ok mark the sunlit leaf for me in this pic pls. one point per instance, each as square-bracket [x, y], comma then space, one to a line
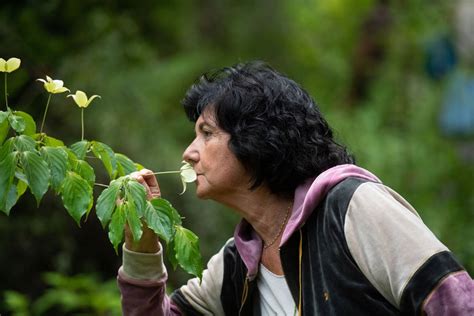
[80, 148]
[77, 196]
[37, 173]
[52, 142]
[160, 220]
[107, 201]
[106, 155]
[57, 160]
[186, 246]
[30, 125]
[17, 123]
[117, 226]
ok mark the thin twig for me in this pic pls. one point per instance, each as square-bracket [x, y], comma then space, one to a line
[101, 185]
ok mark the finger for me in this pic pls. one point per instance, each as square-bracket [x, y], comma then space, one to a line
[151, 181]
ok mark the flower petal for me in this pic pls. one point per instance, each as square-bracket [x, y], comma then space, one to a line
[49, 78]
[3, 65]
[184, 186]
[188, 175]
[61, 90]
[42, 80]
[12, 64]
[90, 99]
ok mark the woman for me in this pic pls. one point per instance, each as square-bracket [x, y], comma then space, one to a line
[318, 236]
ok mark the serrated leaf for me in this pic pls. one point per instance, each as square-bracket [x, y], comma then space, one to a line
[124, 165]
[80, 148]
[135, 192]
[117, 226]
[107, 202]
[7, 167]
[77, 196]
[167, 208]
[133, 220]
[25, 143]
[17, 123]
[30, 125]
[57, 160]
[106, 155]
[37, 173]
[85, 170]
[159, 220]
[186, 246]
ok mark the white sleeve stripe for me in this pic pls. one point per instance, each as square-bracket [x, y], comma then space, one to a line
[205, 297]
[387, 239]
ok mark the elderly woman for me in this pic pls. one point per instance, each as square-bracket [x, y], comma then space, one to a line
[318, 236]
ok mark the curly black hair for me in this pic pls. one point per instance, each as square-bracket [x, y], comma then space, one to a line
[276, 130]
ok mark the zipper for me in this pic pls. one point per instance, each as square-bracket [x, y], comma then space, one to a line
[244, 294]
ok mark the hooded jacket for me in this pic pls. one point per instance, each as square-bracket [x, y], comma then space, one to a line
[351, 246]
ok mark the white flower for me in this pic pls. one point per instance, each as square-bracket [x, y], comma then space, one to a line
[53, 86]
[188, 174]
[81, 99]
[9, 65]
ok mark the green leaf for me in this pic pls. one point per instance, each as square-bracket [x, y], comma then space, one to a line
[107, 202]
[7, 167]
[124, 165]
[106, 155]
[17, 123]
[30, 125]
[52, 142]
[4, 128]
[7, 148]
[37, 173]
[3, 116]
[80, 148]
[16, 191]
[77, 196]
[166, 207]
[85, 170]
[57, 160]
[171, 254]
[117, 226]
[135, 192]
[25, 143]
[133, 221]
[186, 246]
[159, 220]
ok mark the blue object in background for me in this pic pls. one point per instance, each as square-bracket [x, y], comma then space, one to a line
[440, 57]
[457, 112]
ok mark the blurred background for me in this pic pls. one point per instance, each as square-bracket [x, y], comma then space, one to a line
[394, 78]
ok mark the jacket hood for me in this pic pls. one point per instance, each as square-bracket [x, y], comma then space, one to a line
[307, 197]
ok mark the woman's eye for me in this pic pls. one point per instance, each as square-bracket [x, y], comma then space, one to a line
[206, 133]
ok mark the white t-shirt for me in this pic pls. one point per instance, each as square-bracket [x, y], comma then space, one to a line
[275, 295]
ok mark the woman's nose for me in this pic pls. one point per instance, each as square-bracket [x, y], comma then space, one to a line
[191, 154]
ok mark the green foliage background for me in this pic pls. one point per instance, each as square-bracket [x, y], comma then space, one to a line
[141, 57]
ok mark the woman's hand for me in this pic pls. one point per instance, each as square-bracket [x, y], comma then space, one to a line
[149, 241]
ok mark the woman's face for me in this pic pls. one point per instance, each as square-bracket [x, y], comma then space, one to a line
[219, 174]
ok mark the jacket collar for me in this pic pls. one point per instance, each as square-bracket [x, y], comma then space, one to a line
[307, 197]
